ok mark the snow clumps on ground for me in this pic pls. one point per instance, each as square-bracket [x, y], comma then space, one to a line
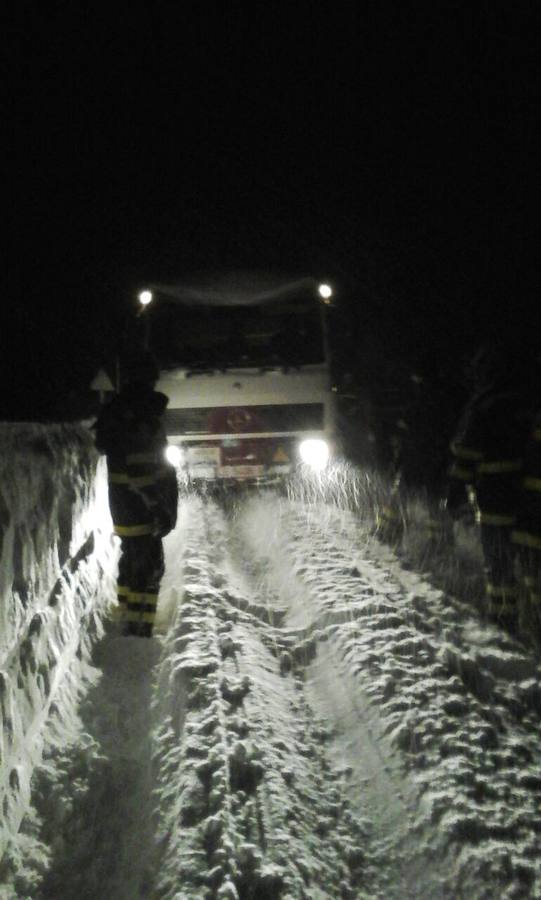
[311, 720]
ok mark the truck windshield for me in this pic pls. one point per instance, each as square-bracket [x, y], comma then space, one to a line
[277, 334]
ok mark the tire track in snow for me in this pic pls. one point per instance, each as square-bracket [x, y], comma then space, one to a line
[359, 748]
[455, 705]
[249, 804]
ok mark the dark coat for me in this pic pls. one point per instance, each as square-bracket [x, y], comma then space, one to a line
[142, 484]
[528, 524]
[487, 453]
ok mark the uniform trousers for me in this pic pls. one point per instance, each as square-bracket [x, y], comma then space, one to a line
[140, 569]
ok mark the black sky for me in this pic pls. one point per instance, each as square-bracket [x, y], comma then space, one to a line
[387, 146]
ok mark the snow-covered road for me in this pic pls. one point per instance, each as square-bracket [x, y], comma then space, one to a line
[311, 721]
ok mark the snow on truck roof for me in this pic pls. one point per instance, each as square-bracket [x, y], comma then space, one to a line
[237, 289]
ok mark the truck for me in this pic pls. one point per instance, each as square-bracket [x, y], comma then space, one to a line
[244, 361]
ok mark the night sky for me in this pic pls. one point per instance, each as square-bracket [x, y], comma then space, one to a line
[387, 147]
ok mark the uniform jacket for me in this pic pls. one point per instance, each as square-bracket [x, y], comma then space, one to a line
[142, 484]
[487, 452]
[528, 524]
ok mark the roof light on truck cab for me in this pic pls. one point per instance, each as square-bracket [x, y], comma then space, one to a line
[314, 452]
[325, 292]
[145, 297]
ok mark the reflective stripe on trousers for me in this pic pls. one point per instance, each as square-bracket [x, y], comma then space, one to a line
[133, 530]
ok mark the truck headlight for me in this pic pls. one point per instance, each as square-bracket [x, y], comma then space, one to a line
[314, 452]
[173, 454]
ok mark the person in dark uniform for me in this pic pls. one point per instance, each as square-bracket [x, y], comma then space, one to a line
[487, 459]
[417, 461]
[143, 492]
[526, 535]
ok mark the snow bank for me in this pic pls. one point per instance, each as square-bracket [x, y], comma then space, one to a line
[57, 561]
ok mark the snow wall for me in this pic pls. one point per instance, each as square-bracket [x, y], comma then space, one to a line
[58, 558]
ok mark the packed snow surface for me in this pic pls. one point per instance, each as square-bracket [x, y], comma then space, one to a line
[311, 720]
